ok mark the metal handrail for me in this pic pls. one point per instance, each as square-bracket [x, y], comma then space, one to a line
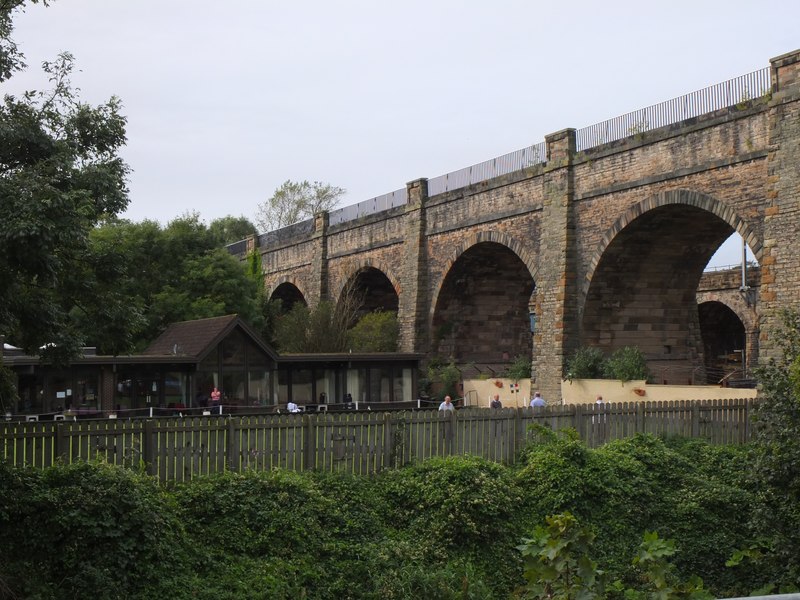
[738, 90]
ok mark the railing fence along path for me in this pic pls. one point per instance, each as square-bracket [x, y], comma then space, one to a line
[737, 91]
[178, 449]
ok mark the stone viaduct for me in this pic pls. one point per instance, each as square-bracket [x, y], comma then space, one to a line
[597, 237]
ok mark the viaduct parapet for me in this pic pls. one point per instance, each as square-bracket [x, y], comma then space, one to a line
[597, 237]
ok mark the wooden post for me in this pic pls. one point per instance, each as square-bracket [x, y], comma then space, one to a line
[580, 423]
[309, 445]
[389, 449]
[231, 446]
[518, 431]
[149, 447]
[61, 449]
[639, 425]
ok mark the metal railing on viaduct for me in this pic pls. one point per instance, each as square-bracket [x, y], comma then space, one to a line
[178, 449]
[716, 97]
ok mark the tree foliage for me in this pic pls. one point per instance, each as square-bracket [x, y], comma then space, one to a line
[229, 229]
[625, 364]
[60, 175]
[294, 201]
[377, 331]
[174, 273]
[776, 468]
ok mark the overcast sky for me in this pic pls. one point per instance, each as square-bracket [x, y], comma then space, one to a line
[227, 100]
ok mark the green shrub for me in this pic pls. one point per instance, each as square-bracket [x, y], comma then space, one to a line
[519, 369]
[88, 530]
[626, 364]
[586, 363]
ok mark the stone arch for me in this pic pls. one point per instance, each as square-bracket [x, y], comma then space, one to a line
[641, 282]
[746, 313]
[358, 266]
[287, 290]
[474, 239]
[377, 284]
[480, 309]
[673, 197]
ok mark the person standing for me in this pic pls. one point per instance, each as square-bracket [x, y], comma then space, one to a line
[447, 404]
[496, 402]
[537, 400]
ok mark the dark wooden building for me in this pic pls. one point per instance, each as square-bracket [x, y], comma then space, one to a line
[180, 368]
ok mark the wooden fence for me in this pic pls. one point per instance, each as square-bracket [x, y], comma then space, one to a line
[177, 449]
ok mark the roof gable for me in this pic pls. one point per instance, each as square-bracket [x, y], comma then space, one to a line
[196, 338]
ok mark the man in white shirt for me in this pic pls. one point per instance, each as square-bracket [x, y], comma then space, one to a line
[537, 400]
[292, 407]
[447, 404]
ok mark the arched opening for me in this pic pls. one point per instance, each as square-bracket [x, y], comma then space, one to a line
[724, 342]
[481, 313]
[643, 289]
[289, 295]
[368, 290]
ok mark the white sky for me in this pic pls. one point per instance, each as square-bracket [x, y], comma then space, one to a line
[227, 100]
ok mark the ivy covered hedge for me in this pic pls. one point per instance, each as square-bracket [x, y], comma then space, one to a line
[445, 528]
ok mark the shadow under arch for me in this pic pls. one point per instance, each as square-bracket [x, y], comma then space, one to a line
[641, 283]
[374, 286]
[288, 293]
[480, 307]
[673, 197]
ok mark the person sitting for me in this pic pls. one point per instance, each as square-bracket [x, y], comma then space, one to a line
[292, 407]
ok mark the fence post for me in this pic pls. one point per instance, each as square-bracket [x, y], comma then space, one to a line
[309, 445]
[639, 427]
[696, 419]
[61, 444]
[518, 432]
[149, 447]
[230, 446]
[580, 423]
[388, 442]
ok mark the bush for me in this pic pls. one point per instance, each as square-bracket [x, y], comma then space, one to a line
[626, 364]
[88, 530]
[520, 368]
[586, 363]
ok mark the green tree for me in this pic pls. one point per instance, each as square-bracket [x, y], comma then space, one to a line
[294, 201]
[230, 229]
[174, 273]
[60, 175]
[776, 460]
[375, 332]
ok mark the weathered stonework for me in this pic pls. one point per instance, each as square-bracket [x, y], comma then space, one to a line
[606, 247]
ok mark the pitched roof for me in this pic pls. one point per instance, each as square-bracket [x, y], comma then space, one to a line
[196, 338]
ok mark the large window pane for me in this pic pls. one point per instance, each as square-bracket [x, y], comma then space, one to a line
[258, 387]
[176, 388]
[402, 385]
[301, 387]
[233, 388]
[326, 386]
[85, 392]
[282, 389]
[357, 384]
[380, 385]
[233, 350]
